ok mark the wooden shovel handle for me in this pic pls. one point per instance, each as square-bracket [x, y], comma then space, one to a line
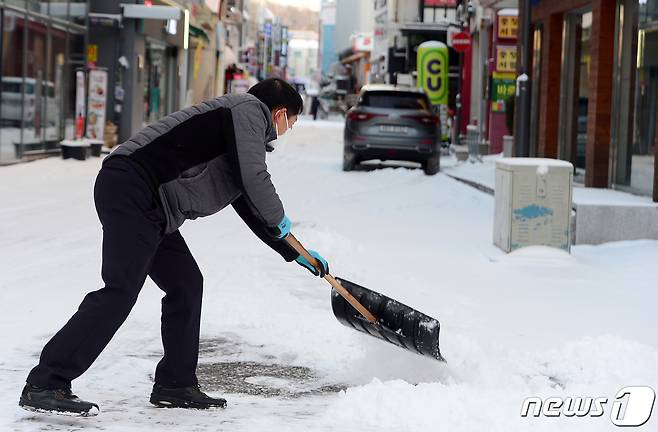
[292, 241]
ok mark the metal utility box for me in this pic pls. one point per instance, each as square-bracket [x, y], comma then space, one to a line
[533, 203]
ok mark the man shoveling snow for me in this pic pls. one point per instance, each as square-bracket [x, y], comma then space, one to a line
[190, 164]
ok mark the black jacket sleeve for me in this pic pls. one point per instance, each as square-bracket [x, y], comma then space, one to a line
[242, 208]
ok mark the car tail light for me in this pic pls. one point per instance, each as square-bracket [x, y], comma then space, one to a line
[426, 120]
[359, 116]
[427, 141]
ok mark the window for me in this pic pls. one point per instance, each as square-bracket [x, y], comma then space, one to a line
[394, 99]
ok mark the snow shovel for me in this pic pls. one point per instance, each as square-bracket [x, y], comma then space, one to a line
[379, 316]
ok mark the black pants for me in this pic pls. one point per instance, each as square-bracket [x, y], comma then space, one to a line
[134, 246]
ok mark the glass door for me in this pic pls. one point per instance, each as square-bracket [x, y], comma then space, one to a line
[574, 90]
[644, 143]
[12, 109]
[635, 97]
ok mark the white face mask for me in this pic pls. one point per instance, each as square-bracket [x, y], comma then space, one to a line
[285, 113]
[280, 140]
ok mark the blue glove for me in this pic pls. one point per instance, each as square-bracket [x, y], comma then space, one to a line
[304, 263]
[282, 229]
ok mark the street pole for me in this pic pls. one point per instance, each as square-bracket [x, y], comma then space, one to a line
[458, 97]
[458, 101]
[523, 96]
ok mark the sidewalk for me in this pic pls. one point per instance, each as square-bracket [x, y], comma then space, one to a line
[595, 210]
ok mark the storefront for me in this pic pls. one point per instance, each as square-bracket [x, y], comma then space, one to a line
[635, 96]
[160, 93]
[42, 44]
[595, 90]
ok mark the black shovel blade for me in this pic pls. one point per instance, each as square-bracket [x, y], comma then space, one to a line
[398, 323]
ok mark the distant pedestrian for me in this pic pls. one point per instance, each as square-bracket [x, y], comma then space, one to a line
[190, 164]
[315, 105]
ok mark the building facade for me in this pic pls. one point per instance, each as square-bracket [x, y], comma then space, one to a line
[328, 54]
[302, 55]
[594, 91]
[42, 45]
[155, 65]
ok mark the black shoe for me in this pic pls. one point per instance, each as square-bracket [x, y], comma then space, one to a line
[184, 397]
[59, 401]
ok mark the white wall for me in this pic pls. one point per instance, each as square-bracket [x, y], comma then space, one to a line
[352, 16]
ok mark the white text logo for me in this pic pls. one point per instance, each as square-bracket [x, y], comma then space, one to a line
[632, 406]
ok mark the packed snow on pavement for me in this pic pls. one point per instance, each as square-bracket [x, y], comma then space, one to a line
[537, 322]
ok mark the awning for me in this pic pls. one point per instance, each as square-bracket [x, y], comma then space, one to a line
[199, 33]
[354, 57]
[157, 12]
[427, 28]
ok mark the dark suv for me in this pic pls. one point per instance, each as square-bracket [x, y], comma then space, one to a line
[392, 123]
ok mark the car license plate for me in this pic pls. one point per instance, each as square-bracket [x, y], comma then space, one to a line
[393, 129]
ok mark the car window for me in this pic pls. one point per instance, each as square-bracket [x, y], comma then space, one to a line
[395, 99]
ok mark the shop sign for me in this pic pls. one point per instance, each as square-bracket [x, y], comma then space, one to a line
[507, 26]
[432, 61]
[362, 42]
[97, 101]
[503, 85]
[197, 59]
[92, 53]
[9, 23]
[506, 58]
[441, 3]
[79, 104]
[284, 41]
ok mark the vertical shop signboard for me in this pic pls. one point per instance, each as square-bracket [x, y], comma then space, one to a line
[503, 85]
[92, 54]
[507, 26]
[267, 54]
[97, 101]
[432, 68]
[79, 104]
[284, 46]
[502, 77]
[506, 58]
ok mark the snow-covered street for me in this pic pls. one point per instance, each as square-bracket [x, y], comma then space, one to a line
[537, 322]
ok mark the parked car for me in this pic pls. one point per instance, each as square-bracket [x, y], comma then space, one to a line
[12, 93]
[392, 123]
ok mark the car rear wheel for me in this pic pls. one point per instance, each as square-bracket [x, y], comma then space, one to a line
[349, 161]
[431, 165]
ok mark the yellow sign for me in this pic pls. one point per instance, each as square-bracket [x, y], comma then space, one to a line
[92, 53]
[506, 58]
[507, 27]
[432, 68]
[197, 58]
